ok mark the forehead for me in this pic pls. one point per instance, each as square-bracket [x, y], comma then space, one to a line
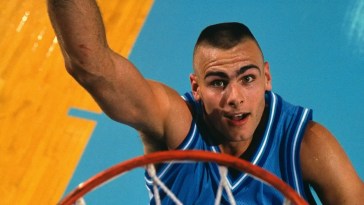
[246, 52]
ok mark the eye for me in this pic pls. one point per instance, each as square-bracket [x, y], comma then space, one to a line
[248, 78]
[218, 83]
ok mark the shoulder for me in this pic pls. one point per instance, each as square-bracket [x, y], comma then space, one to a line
[327, 168]
[176, 120]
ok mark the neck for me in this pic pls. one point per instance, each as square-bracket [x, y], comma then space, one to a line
[236, 149]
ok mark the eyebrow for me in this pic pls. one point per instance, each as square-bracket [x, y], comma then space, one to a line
[239, 72]
[247, 67]
[216, 73]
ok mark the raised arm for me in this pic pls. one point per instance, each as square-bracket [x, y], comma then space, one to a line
[113, 81]
[327, 168]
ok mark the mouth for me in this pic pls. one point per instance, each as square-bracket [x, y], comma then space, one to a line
[237, 117]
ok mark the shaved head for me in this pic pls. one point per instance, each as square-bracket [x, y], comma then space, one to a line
[223, 36]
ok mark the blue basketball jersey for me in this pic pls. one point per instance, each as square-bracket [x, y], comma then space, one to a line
[277, 152]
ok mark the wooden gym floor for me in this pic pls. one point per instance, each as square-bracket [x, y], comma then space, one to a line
[40, 145]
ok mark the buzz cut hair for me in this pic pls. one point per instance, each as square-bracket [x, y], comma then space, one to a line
[225, 35]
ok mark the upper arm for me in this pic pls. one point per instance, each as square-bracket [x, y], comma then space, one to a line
[113, 81]
[150, 107]
[328, 169]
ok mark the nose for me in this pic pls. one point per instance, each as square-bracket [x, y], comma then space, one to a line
[235, 96]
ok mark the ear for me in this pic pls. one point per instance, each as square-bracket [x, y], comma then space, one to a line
[268, 77]
[195, 87]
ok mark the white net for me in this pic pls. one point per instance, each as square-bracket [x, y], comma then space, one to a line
[223, 185]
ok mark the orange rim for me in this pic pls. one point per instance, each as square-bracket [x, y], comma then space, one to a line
[192, 155]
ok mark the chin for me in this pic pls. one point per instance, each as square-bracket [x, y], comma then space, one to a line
[239, 138]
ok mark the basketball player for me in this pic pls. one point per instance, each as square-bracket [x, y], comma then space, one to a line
[231, 109]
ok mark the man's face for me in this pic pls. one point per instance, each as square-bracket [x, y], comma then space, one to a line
[231, 85]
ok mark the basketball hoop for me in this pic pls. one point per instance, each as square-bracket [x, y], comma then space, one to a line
[223, 160]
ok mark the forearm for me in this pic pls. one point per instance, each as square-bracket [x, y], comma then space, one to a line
[80, 32]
